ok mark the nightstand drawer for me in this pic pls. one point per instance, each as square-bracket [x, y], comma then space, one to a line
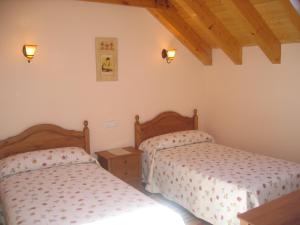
[131, 162]
[126, 175]
[126, 167]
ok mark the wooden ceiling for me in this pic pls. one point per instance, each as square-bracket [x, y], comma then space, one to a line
[226, 24]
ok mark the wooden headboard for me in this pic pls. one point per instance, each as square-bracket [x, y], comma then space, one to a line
[163, 123]
[45, 136]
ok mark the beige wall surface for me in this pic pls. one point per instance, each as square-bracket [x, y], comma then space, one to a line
[255, 106]
[60, 87]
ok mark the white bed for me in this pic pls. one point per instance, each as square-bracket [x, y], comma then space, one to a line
[212, 181]
[65, 185]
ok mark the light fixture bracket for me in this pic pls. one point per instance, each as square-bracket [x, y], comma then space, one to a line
[164, 53]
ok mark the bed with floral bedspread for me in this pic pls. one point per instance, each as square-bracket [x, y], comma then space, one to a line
[213, 181]
[66, 186]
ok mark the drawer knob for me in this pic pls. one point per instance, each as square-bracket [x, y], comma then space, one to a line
[125, 173]
[125, 161]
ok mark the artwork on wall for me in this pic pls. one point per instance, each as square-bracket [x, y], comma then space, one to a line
[107, 59]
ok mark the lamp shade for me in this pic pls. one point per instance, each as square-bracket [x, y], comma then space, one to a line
[29, 51]
[169, 55]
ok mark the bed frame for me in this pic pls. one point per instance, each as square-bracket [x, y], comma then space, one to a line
[45, 136]
[163, 123]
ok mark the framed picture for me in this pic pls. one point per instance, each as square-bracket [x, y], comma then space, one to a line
[106, 59]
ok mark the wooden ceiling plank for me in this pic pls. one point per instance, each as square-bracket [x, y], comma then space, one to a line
[264, 36]
[293, 14]
[185, 34]
[139, 3]
[222, 37]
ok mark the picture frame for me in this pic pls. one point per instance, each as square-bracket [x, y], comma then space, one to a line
[106, 59]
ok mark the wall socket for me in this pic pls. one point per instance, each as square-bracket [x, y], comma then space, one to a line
[110, 124]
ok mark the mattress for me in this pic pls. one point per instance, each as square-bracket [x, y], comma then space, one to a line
[216, 182]
[79, 194]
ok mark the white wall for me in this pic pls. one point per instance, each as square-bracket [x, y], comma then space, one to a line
[255, 106]
[60, 87]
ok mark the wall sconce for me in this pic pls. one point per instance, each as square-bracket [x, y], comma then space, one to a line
[169, 55]
[29, 51]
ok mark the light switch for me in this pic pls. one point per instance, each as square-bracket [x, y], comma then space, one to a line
[110, 124]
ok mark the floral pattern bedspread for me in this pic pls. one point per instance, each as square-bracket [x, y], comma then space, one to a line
[80, 194]
[216, 182]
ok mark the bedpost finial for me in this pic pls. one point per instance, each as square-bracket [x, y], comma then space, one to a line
[137, 118]
[85, 123]
[195, 112]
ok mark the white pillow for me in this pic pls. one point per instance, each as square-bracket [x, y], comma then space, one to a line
[42, 159]
[176, 139]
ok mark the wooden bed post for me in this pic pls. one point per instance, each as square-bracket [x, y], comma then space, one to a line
[195, 119]
[86, 134]
[137, 131]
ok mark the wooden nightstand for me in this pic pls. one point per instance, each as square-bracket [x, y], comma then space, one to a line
[126, 167]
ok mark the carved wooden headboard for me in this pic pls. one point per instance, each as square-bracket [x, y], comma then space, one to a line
[45, 136]
[163, 123]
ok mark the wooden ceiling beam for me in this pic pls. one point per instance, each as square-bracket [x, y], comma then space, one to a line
[139, 3]
[214, 27]
[186, 35]
[293, 14]
[264, 36]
